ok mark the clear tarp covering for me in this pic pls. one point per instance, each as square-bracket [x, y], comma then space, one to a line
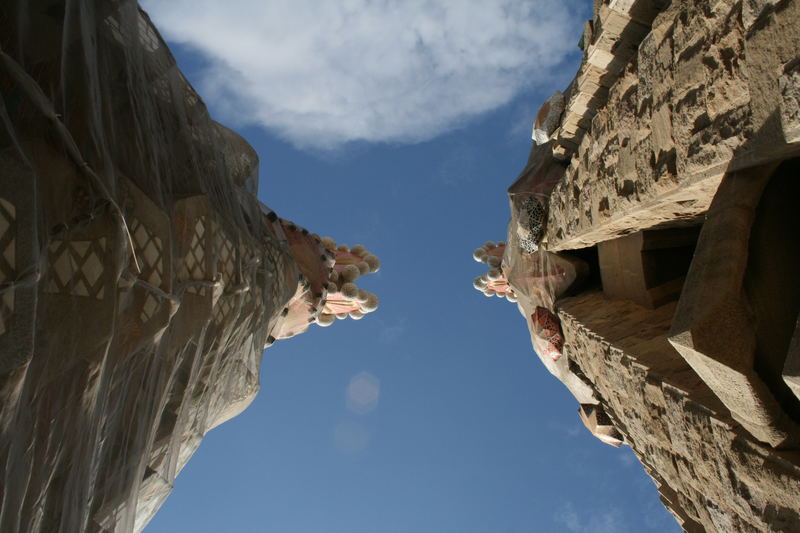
[536, 277]
[139, 276]
[530, 195]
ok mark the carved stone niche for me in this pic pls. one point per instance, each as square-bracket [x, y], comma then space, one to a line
[647, 267]
[738, 309]
[145, 299]
[195, 265]
[597, 421]
[19, 257]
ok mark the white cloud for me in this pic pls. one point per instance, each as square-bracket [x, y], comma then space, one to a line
[321, 74]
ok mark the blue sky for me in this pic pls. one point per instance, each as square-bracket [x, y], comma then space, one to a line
[469, 434]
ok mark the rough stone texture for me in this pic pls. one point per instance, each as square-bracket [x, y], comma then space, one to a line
[711, 475]
[713, 328]
[687, 113]
[712, 88]
[647, 267]
[597, 421]
[609, 41]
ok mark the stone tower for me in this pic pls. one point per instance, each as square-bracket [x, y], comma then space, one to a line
[140, 278]
[653, 250]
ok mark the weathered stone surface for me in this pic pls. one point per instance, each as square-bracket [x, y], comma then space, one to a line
[609, 41]
[714, 328]
[711, 474]
[695, 122]
[597, 421]
[705, 94]
[646, 267]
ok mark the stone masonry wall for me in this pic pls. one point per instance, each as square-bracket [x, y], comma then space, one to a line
[712, 88]
[711, 475]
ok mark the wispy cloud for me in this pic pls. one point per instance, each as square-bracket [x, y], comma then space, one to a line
[570, 429]
[567, 516]
[627, 458]
[391, 333]
[609, 520]
[322, 74]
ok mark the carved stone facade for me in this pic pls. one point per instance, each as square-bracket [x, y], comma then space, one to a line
[140, 278]
[676, 160]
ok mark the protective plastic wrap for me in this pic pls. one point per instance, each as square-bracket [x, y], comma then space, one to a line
[530, 196]
[537, 280]
[537, 277]
[522, 271]
[139, 277]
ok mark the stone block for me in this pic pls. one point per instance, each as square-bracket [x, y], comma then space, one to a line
[789, 83]
[642, 11]
[586, 101]
[619, 34]
[646, 267]
[592, 75]
[713, 326]
[753, 10]
[596, 420]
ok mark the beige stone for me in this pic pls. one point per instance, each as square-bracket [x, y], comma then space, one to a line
[600, 425]
[707, 94]
[633, 267]
[678, 118]
[712, 476]
[713, 328]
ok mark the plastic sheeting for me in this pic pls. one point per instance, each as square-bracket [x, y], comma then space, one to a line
[139, 280]
[536, 277]
[530, 196]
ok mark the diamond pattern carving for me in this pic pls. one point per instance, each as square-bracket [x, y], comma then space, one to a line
[148, 309]
[193, 266]
[149, 252]
[227, 265]
[223, 310]
[8, 267]
[76, 267]
[276, 263]
[147, 37]
[194, 262]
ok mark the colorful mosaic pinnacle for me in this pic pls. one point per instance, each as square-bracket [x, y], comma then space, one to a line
[325, 288]
[493, 282]
[344, 297]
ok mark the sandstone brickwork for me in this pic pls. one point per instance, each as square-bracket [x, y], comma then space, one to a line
[673, 176]
[711, 474]
[711, 88]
